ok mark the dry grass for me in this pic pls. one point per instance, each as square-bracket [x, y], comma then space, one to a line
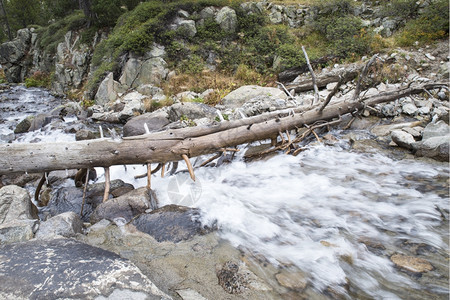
[222, 83]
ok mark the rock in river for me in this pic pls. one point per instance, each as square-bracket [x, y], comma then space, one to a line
[172, 223]
[68, 269]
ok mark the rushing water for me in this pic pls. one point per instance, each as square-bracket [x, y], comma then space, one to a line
[334, 213]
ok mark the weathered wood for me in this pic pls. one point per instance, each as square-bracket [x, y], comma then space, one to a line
[313, 77]
[163, 147]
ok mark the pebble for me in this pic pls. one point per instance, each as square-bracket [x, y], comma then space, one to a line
[430, 57]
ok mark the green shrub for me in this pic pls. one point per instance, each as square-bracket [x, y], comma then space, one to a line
[193, 65]
[432, 24]
[53, 34]
[402, 9]
[38, 79]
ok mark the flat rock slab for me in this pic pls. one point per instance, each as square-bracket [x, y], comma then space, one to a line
[65, 268]
[171, 223]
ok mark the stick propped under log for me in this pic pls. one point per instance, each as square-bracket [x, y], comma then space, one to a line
[171, 145]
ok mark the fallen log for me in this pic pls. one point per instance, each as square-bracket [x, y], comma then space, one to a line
[177, 144]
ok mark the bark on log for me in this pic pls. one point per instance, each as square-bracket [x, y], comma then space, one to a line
[163, 147]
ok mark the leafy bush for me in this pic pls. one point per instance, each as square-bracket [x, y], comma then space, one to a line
[38, 79]
[431, 25]
[53, 34]
[402, 9]
[106, 12]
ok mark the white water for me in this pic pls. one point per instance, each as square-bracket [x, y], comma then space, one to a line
[313, 210]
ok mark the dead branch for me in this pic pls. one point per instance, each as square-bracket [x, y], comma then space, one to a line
[313, 77]
[333, 92]
[363, 75]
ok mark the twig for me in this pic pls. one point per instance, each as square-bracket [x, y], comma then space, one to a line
[163, 169]
[349, 123]
[149, 176]
[317, 137]
[174, 168]
[217, 155]
[285, 89]
[107, 184]
[84, 192]
[158, 167]
[313, 77]
[333, 92]
[189, 166]
[363, 74]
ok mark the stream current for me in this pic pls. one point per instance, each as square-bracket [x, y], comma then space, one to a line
[334, 213]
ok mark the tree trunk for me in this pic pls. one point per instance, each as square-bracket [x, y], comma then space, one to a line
[171, 145]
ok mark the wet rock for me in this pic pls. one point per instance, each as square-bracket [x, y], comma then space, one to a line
[243, 94]
[68, 199]
[231, 280]
[72, 270]
[17, 231]
[411, 264]
[84, 134]
[15, 204]
[155, 121]
[292, 280]
[126, 206]
[227, 19]
[20, 179]
[67, 224]
[191, 110]
[23, 126]
[172, 223]
[403, 139]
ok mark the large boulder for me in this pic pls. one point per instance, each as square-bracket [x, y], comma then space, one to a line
[241, 95]
[137, 72]
[437, 129]
[227, 19]
[191, 110]
[155, 121]
[435, 141]
[172, 223]
[17, 231]
[126, 206]
[68, 269]
[403, 139]
[15, 204]
[67, 224]
[107, 91]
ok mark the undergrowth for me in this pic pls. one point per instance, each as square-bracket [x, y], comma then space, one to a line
[38, 79]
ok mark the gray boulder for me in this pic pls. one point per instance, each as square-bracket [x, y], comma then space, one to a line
[241, 95]
[23, 125]
[172, 223]
[13, 51]
[155, 121]
[403, 139]
[150, 71]
[67, 224]
[227, 19]
[208, 12]
[437, 129]
[126, 206]
[17, 231]
[435, 147]
[187, 27]
[107, 91]
[15, 204]
[191, 110]
[68, 269]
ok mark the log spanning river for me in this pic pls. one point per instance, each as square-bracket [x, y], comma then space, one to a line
[347, 219]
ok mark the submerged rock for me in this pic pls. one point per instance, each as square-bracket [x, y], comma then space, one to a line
[64, 268]
[411, 263]
[171, 223]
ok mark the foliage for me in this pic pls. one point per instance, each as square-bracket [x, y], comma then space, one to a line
[402, 9]
[53, 34]
[193, 65]
[432, 24]
[38, 79]
[2, 76]
[107, 12]
[57, 9]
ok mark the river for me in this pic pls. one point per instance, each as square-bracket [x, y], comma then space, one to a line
[334, 213]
